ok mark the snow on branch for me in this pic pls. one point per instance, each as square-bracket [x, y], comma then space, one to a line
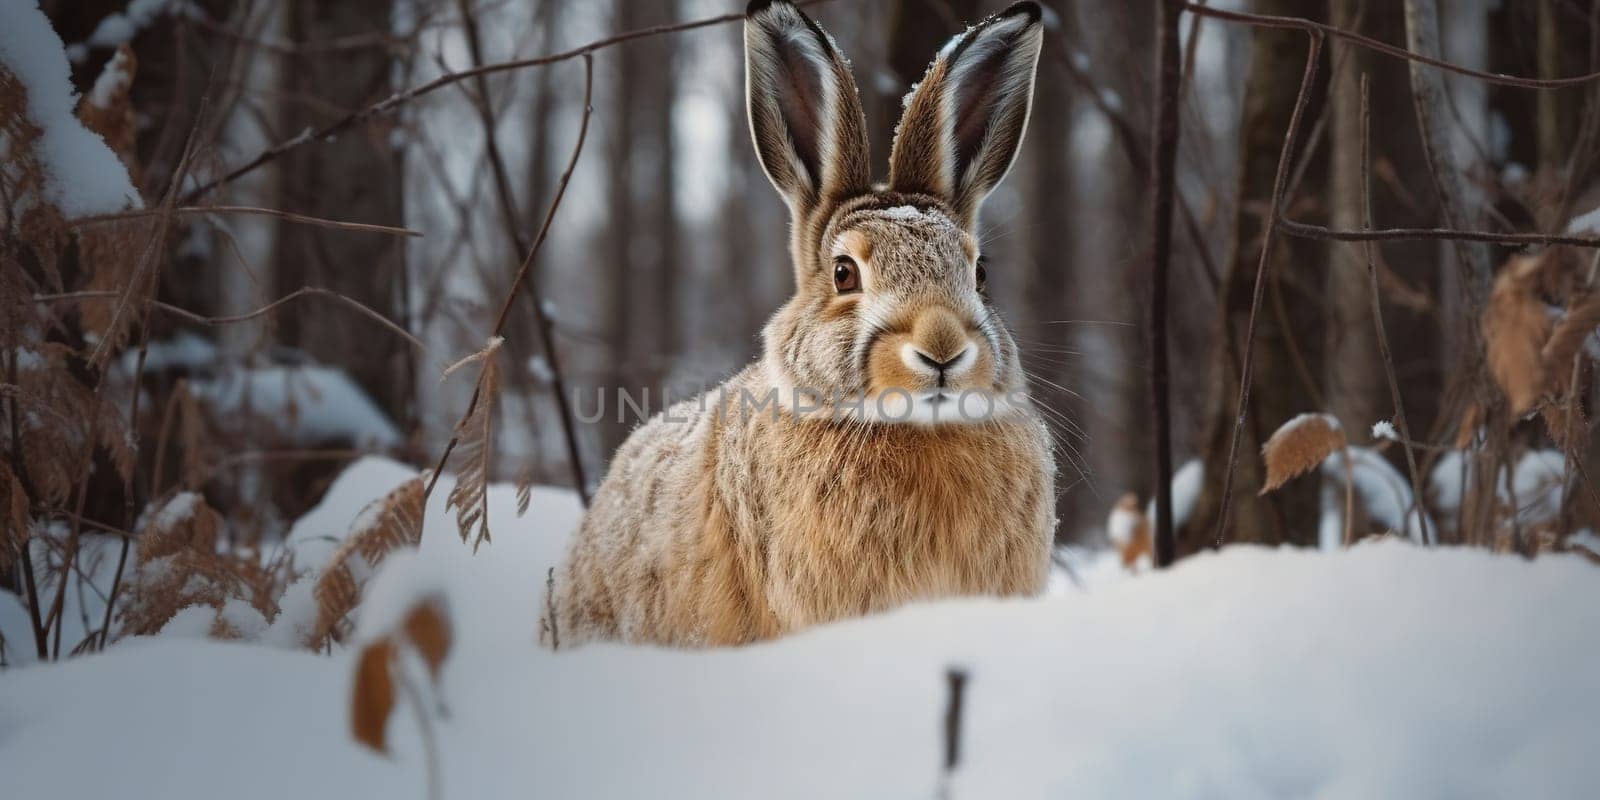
[81, 174]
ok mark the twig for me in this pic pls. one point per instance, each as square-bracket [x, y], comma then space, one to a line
[200, 319]
[512, 224]
[287, 216]
[956, 680]
[1306, 230]
[1298, 23]
[541, 318]
[550, 608]
[430, 747]
[1369, 249]
[400, 98]
[29, 580]
[258, 456]
[1163, 179]
[1268, 237]
[89, 523]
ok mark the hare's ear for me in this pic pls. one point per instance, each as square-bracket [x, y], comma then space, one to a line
[963, 123]
[805, 113]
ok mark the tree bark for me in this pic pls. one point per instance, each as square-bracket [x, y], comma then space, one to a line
[355, 177]
[1353, 374]
[1278, 389]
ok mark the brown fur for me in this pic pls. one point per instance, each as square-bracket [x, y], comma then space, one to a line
[722, 521]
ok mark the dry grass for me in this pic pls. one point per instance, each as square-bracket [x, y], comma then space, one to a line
[388, 524]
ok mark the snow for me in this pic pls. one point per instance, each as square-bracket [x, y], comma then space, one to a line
[1585, 223]
[185, 350]
[28, 360]
[1187, 482]
[193, 622]
[120, 28]
[113, 80]
[539, 368]
[1111, 99]
[1585, 539]
[1384, 429]
[1445, 481]
[177, 509]
[1536, 480]
[82, 607]
[310, 403]
[903, 213]
[297, 616]
[1536, 486]
[1383, 492]
[1281, 673]
[83, 176]
[1121, 526]
[243, 618]
[1249, 673]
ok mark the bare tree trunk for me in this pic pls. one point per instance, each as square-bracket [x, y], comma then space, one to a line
[642, 246]
[1278, 389]
[1046, 282]
[1353, 374]
[355, 177]
[1464, 283]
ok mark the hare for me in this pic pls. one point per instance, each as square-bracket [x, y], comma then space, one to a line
[882, 449]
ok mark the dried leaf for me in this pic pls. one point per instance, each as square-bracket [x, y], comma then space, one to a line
[372, 696]
[13, 517]
[1516, 326]
[428, 630]
[475, 434]
[1299, 446]
[1577, 325]
[524, 490]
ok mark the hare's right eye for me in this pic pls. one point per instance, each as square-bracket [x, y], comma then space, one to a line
[846, 278]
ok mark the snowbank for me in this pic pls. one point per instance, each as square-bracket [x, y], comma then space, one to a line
[310, 403]
[83, 176]
[1383, 671]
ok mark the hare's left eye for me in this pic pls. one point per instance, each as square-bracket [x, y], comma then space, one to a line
[846, 277]
[983, 272]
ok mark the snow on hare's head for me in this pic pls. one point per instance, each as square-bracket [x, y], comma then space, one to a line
[889, 305]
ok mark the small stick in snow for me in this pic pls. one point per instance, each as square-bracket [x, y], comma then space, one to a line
[957, 681]
[550, 608]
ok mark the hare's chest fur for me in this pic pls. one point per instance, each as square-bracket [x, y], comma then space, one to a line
[862, 518]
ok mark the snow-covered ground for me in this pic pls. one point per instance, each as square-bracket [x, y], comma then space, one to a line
[1383, 671]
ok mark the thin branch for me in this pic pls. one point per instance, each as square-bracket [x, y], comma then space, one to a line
[1308, 231]
[401, 98]
[512, 224]
[1369, 249]
[1297, 23]
[541, 318]
[29, 580]
[200, 319]
[287, 216]
[1268, 238]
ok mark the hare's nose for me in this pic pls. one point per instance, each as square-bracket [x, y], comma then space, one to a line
[920, 360]
[941, 366]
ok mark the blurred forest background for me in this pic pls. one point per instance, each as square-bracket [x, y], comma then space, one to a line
[668, 252]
